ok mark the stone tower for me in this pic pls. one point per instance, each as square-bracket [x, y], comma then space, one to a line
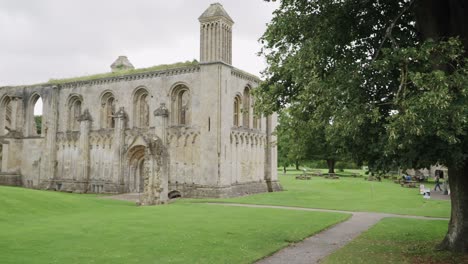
[216, 35]
[122, 63]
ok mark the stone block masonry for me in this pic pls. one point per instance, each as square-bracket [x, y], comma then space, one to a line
[186, 129]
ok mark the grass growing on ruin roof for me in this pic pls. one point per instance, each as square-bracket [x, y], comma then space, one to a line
[397, 240]
[53, 227]
[349, 194]
[125, 72]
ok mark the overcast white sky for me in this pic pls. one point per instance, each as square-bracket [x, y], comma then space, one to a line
[45, 39]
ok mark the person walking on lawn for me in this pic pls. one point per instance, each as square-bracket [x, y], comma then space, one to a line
[437, 183]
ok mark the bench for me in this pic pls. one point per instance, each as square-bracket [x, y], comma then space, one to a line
[409, 184]
[303, 177]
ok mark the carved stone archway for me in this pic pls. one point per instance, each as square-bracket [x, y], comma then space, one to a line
[134, 178]
[146, 170]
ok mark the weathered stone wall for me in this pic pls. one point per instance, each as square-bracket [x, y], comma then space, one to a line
[10, 179]
[184, 149]
[238, 189]
[206, 151]
[31, 160]
[12, 155]
[99, 135]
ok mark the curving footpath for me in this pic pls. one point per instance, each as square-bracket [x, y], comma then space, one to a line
[318, 246]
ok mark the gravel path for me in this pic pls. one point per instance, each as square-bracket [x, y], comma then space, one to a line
[318, 246]
[315, 248]
[439, 195]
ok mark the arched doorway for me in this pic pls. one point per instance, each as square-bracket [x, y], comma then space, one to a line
[5, 115]
[134, 182]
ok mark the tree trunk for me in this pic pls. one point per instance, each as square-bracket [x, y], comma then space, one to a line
[331, 165]
[456, 239]
[297, 164]
[284, 170]
[439, 20]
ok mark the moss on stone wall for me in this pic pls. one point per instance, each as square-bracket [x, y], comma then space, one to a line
[124, 72]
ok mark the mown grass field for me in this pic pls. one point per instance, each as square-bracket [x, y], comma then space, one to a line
[349, 194]
[397, 240]
[53, 227]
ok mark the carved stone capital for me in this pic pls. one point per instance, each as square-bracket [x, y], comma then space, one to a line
[120, 114]
[86, 116]
[162, 111]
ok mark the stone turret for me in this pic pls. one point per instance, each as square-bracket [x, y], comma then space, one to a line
[216, 35]
[122, 63]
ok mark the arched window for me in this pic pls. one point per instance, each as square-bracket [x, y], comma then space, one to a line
[246, 107]
[6, 115]
[141, 108]
[34, 115]
[237, 111]
[181, 105]
[174, 194]
[107, 110]
[74, 112]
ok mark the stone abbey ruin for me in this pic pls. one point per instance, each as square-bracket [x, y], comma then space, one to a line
[187, 129]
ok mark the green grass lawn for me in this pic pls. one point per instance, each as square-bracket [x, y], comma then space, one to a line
[53, 227]
[347, 193]
[397, 240]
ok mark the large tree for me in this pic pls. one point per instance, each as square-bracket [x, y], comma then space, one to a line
[390, 75]
[300, 138]
[291, 149]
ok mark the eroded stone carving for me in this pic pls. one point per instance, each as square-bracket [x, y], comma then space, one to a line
[154, 167]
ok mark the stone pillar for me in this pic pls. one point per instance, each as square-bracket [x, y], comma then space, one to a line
[268, 156]
[16, 113]
[84, 150]
[274, 148]
[155, 171]
[49, 155]
[161, 114]
[118, 148]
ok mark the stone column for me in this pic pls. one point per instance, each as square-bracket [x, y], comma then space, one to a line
[118, 148]
[4, 153]
[155, 169]
[49, 155]
[161, 114]
[84, 150]
[268, 152]
[16, 113]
